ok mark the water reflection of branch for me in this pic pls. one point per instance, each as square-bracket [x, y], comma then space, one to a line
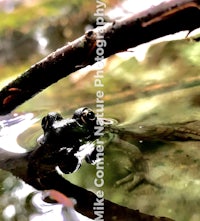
[151, 90]
[167, 18]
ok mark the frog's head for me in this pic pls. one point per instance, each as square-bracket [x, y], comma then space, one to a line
[72, 138]
[79, 128]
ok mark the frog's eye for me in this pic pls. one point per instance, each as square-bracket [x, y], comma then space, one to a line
[88, 116]
[84, 115]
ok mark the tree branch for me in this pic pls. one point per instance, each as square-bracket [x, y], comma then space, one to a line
[166, 18]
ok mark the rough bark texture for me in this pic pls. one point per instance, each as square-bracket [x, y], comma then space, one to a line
[166, 18]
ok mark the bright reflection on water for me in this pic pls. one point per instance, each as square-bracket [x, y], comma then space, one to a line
[9, 211]
[11, 126]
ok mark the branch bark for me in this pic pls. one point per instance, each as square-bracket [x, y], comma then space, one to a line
[166, 18]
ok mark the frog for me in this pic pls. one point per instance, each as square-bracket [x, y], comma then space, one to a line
[71, 139]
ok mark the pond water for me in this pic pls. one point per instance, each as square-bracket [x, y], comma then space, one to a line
[162, 90]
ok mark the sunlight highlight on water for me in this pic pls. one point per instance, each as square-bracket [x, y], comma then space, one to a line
[11, 126]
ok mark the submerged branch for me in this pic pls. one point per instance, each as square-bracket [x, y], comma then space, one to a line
[186, 131]
[166, 18]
